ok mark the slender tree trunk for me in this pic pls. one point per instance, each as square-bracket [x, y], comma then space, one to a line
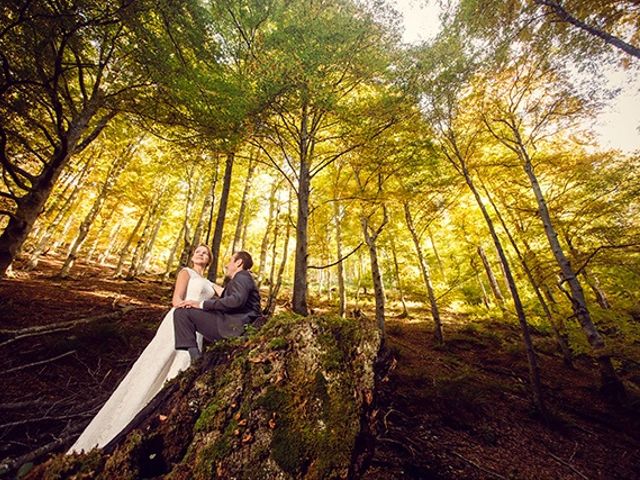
[172, 255]
[338, 212]
[396, 270]
[61, 238]
[125, 248]
[206, 208]
[274, 253]
[192, 195]
[534, 371]
[113, 234]
[370, 237]
[148, 248]
[493, 283]
[264, 246]
[610, 381]
[113, 174]
[273, 292]
[57, 208]
[237, 245]
[222, 212]
[561, 339]
[43, 242]
[103, 225]
[140, 250]
[301, 259]
[594, 285]
[424, 268]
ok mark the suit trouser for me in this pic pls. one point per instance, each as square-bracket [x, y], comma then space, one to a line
[188, 321]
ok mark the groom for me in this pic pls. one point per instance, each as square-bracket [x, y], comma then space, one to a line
[221, 317]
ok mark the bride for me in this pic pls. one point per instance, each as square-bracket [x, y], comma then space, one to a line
[158, 363]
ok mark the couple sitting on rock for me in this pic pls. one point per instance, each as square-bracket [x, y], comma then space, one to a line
[201, 309]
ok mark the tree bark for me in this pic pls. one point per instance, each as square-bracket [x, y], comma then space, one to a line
[304, 188]
[426, 277]
[370, 238]
[222, 212]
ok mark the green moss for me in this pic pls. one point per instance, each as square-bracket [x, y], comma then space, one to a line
[278, 343]
[206, 416]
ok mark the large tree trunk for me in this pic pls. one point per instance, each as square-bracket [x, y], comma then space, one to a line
[424, 268]
[222, 212]
[237, 237]
[610, 381]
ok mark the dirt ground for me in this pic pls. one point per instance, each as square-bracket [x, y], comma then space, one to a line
[458, 411]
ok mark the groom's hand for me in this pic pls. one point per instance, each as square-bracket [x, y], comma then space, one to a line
[189, 304]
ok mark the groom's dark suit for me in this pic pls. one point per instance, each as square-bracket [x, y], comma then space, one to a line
[222, 317]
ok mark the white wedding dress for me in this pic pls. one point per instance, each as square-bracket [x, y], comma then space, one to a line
[157, 364]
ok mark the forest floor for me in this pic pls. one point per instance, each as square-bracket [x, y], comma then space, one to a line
[458, 411]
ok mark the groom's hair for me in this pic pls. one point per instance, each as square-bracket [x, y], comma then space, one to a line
[247, 261]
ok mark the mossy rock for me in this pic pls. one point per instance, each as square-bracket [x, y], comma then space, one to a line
[285, 403]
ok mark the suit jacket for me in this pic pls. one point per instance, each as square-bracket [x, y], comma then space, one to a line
[238, 305]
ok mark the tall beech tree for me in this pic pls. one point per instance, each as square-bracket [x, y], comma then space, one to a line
[66, 72]
[320, 57]
[539, 105]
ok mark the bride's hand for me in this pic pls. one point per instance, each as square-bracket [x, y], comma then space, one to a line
[188, 304]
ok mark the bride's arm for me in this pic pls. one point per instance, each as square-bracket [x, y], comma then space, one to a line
[180, 290]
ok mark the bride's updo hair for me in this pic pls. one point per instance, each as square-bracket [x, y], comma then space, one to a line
[209, 254]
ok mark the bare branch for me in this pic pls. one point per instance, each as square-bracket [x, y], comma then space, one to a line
[322, 267]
